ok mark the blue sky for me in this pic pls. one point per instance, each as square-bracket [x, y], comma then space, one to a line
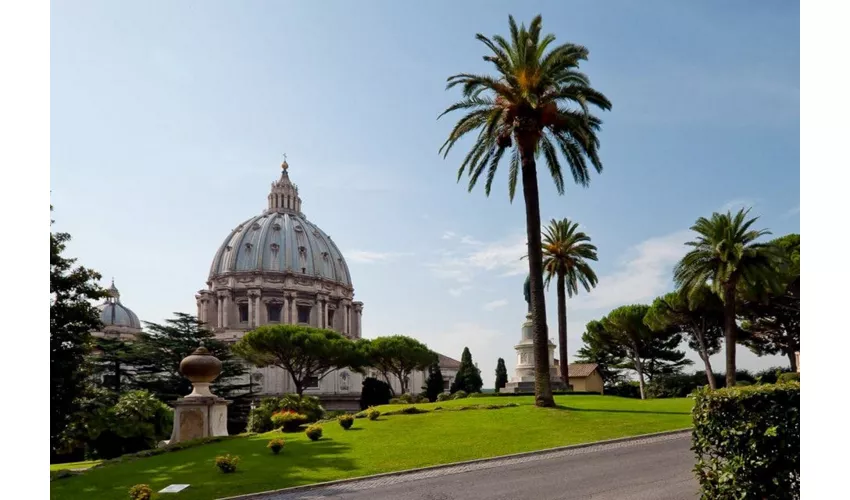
[169, 121]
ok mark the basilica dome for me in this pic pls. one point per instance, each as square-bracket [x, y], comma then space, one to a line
[278, 267]
[115, 314]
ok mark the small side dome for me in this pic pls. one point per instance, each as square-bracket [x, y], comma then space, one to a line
[114, 313]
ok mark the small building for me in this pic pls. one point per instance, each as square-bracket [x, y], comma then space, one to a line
[585, 377]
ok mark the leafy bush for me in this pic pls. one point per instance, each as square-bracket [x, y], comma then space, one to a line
[406, 398]
[227, 463]
[373, 414]
[141, 492]
[770, 375]
[412, 410]
[374, 393]
[289, 420]
[108, 428]
[789, 377]
[314, 432]
[396, 401]
[421, 398]
[624, 390]
[444, 396]
[260, 417]
[743, 383]
[459, 395]
[276, 445]
[346, 421]
[479, 395]
[747, 441]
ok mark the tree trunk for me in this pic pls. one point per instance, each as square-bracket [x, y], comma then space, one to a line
[562, 329]
[542, 388]
[792, 357]
[117, 377]
[703, 354]
[299, 386]
[731, 331]
[639, 367]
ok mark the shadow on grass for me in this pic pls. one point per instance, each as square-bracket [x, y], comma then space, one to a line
[649, 412]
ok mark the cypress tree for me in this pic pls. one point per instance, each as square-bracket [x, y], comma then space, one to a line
[501, 374]
[434, 383]
[468, 377]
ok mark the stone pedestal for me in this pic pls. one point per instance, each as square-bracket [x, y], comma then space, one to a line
[198, 417]
[523, 379]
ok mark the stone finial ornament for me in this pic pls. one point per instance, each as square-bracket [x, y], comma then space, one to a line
[201, 368]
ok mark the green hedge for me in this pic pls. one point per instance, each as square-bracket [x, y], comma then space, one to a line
[747, 442]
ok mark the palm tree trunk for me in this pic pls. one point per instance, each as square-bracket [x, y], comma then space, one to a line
[542, 388]
[792, 357]
[731, 331]
[562, 329]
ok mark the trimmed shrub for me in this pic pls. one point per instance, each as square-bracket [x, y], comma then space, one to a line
[141, 492]
[789, 377]
[397, 401]
[260, 418]
[227, 463]
[443, 396]
[747, 442]
[346, 421]
[275, 445]
[421, 398]
[289, 420]
[314, 432]
[406, 398]
[479, 395]
[459, 395]
[412, 410]
[374, 393]
[743, 383]
[373, 414]
[770, 375]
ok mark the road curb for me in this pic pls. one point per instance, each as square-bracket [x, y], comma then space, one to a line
[307, 487]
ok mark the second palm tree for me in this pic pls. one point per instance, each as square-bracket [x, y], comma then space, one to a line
[566, 255]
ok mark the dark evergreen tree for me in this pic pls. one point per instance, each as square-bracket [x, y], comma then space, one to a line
[608, 358]
[158, 351]
[374, 393]
[110, 364]
[72, 318]
[501, 374]
[468, 377]
[434, 383]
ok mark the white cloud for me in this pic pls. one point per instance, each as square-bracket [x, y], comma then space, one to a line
[448, 235]
[735, 205]
[645, 275]
[495, 304]
[474, 257]
[457, 292]
[368, 257]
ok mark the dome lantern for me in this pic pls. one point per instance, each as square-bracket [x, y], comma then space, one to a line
[284, 194]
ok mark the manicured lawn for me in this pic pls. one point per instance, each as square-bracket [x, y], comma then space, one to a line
[391, 443]
[74, 465]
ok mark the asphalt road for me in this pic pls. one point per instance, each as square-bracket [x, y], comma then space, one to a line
[651, 469]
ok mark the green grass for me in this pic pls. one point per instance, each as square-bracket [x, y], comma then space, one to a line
[74, 465]
[391, 443]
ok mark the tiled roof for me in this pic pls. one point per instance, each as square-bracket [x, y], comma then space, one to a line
[448, 363]
[582, 369]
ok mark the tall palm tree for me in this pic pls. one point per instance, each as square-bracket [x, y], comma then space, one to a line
[725, 253]
[566, 252]
[538, 100]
